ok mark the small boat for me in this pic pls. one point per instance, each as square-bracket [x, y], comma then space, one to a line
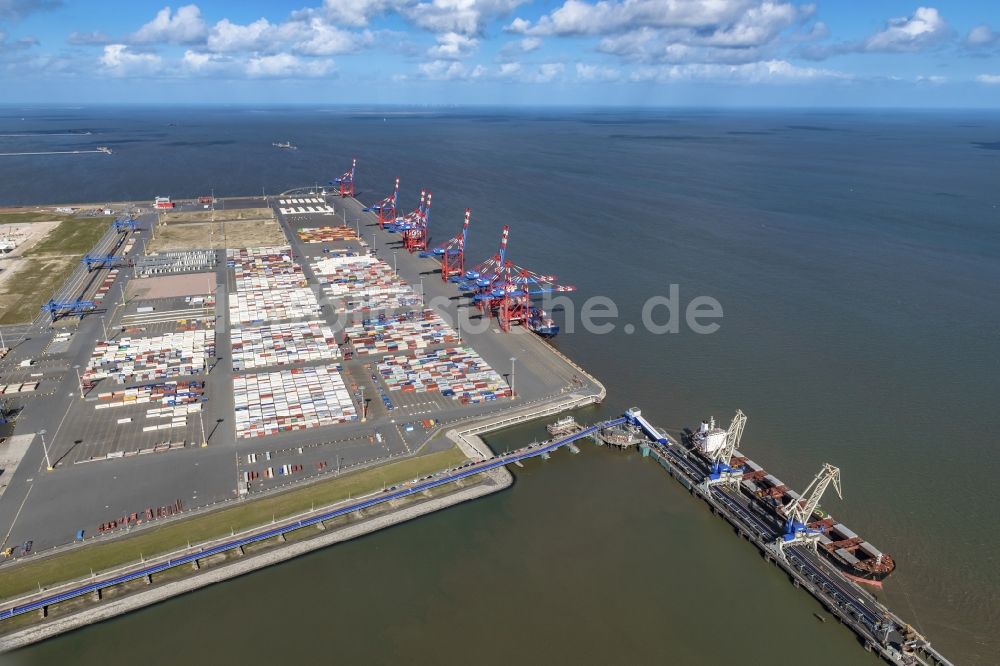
[287, 145]
[565, 425]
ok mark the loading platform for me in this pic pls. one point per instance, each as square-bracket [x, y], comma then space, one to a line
[878, 628]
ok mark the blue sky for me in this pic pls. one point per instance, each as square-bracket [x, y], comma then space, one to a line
[504, 52]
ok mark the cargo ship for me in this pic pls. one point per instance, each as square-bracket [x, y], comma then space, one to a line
[542, 324]
[853, 556]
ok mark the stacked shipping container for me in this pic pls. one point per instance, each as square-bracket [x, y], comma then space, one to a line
[413, 330]
[456, 372]
[327, 234]
[144, 359]
[282, 344]
[295, 399]
[363, 282]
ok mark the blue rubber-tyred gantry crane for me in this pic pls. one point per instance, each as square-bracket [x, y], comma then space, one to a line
[58, 309]
[125, 224]
[98, 261]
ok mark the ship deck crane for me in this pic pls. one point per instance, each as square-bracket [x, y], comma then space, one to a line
[386, 209]
[345, 183]
[798, 512]
[451, 253]
[721, 458]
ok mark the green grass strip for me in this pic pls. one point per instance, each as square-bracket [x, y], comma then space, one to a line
[149, 542]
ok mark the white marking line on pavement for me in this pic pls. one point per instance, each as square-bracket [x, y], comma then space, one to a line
[16, 515]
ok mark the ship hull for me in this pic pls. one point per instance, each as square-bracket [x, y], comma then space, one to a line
[873, 578]
[546, 331]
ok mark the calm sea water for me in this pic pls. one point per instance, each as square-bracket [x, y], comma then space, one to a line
[857, 259]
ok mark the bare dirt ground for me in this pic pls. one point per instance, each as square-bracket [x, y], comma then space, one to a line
[171, 286]
[193, 235]
[217, 215]
[26, 236]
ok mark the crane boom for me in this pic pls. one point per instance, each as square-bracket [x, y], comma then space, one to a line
[801, 510]
[733, 436]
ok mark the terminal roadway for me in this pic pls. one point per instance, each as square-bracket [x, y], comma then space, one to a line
[393, 493]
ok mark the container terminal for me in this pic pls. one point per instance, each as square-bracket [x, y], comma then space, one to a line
[206, 352]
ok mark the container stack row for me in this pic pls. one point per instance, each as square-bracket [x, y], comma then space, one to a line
[144, 359]
[263, 269]
[282, 344]
[268, 403]
[26, 387]
[163, 394]
[456, 372]
[363, 283]
[327, 234]
[247, 307]
[106, 284]
[416, 330]
[295, 399]
[184, 261]
[177, 414]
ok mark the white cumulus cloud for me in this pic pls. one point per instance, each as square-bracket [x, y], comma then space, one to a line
[576, 17]
[312, 35]
[227, 36]
[453, 46]
[989, 79]
[317, 37]
[449, 70]
[771, 71]
[982, 36]
[909, 33]
[119, 60]
[467, 17]
[517, 72]
[185, 26]
[586, 72]
[509, 70]
[287, 66]
[354, 13]
[196, 63]
[679, 31]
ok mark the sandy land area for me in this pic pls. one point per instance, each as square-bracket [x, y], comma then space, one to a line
[171, 286]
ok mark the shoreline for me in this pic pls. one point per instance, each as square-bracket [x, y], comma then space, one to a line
[81, 599]
[467, 439]
[244, 565]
